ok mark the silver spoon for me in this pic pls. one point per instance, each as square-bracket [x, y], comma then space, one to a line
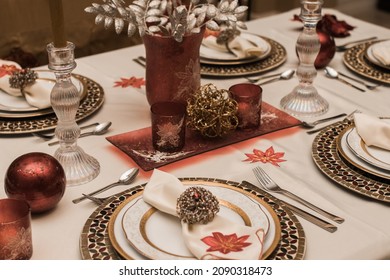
[333, 74]
[99, 130]
[284, 76]
[354, 79]
[256, 79]
[47, 136]
[125, 179]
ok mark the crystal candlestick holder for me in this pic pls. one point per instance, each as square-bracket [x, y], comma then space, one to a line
[304, 100]
[79, 167]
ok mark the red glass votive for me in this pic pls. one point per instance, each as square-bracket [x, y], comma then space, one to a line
[168, 126]
[248, 97]
[15, 230]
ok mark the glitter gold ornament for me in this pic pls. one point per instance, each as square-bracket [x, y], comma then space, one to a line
[212, 112]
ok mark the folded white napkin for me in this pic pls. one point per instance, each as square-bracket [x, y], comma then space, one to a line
[37, 94]
[373, 131]
[381, 51]
[240, 46]
[205, 241]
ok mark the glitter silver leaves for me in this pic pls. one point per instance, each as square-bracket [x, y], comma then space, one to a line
[167, 17]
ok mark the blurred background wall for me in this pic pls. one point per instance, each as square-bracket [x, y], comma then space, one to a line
[25, 24]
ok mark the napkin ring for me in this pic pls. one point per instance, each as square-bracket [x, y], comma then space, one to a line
[20, 79]
[197, 205]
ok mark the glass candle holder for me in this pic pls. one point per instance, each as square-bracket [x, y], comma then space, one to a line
[15, 230]
[168, 126]
[79, 167]
[304, 100]
[248, 97]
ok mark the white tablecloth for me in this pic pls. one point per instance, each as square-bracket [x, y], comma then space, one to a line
[365, 234]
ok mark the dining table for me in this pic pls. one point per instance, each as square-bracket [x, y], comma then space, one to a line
[290, 153]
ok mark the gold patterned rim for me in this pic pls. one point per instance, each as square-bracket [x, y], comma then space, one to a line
[329, 160]
[139, 228]
[355, 59]
[275, 59]
[95, 243]
[90, 104]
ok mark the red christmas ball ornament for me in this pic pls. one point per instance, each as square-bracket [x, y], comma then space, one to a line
[37, 178]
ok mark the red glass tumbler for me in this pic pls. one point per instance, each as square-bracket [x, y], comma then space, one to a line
[168, 126]
[15, 230]
[248, 97]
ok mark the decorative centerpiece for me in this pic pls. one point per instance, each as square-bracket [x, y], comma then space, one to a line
[172, 32]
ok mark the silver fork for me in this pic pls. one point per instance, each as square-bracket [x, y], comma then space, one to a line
[313, 124]
[270, 185]
[349, 117]
[97, 200]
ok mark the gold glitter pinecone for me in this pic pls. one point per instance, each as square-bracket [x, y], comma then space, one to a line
[197, 205]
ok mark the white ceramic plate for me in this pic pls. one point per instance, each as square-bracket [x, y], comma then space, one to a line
[372, 155]
[209, 55]
[371, 57]
[356, 160]
[136, 230]
[17, 106]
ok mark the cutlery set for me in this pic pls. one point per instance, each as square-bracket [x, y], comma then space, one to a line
[267, 184]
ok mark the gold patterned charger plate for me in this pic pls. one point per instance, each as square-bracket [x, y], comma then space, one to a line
[276, 58]
[156, 235]
[91, 103]
[335, 163]
[95, 240]
[356, 60]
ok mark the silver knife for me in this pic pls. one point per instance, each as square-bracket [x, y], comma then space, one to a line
[306, 215]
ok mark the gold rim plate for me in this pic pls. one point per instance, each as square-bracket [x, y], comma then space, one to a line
[136, 228]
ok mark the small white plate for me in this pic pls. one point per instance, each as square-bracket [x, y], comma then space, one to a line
[358, 162]
[372, 155]
[139, 231]
[17, 106]
[371, 57]
[209, 55]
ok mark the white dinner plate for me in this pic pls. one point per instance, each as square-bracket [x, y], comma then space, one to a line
[18, 107]
[357, 161]
[371, 57]
[139, 231]
[213, 56]
[371, 154]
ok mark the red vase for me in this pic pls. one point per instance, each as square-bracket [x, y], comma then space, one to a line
[328, 47]
[172, 68]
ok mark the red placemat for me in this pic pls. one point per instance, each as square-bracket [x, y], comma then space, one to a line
[138, 143]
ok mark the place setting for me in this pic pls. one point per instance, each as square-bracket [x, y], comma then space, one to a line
[354, 154]
[143, 222]
[227, 54]
[25, 105]
[370, 60]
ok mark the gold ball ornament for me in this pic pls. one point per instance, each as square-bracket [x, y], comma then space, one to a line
[212, 112]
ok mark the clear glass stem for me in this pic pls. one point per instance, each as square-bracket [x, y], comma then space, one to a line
[79, 167]
[304, 100]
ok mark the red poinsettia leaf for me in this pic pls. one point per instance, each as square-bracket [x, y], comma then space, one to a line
[130, 82]
[226, 243]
